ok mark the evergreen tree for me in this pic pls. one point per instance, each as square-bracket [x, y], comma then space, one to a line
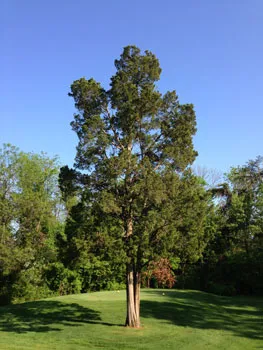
[134, 144]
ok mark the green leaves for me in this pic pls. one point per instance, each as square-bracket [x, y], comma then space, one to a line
[29, 218]
[91, 102]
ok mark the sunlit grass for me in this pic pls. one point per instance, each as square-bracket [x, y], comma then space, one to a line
[175, 320]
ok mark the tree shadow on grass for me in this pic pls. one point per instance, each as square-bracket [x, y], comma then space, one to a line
[46, 316]
[241, 316]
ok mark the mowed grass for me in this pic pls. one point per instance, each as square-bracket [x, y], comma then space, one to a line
[176, 320]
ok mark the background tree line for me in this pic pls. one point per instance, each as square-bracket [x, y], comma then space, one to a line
[55, 240]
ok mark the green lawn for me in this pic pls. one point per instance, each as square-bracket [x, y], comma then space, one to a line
[176, 320]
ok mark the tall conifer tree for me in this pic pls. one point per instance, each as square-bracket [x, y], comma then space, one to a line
[134, 145]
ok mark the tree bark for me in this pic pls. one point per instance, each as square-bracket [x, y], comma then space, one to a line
[133, 284]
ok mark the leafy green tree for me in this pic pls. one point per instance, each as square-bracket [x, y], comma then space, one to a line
[37, 199]
[246, 211]
[68, 184]
[192, 208]
[233, 258]
[29, 221]
[91, 241]
[8, 181]
[134, 144]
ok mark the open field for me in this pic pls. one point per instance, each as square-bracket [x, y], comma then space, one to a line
[176, 320]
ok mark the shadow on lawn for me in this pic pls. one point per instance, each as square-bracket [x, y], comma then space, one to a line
[45, 316]
[241, 316]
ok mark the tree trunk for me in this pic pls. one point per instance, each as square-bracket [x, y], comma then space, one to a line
[133, 284]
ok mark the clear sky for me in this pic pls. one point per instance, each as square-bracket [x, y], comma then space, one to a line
[210, 51]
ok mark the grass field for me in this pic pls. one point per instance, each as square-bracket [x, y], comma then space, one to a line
[176, 320]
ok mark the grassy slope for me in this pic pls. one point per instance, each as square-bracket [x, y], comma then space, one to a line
[176, 320]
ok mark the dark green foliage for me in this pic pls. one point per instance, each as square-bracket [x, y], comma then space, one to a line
[133, 140]
[233, 259]
[29, 284]
[61, 280]
[92, 240]
[68, 186]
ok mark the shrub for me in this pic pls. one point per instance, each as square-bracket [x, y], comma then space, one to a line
[159, 274]
[113, 285]
[62, 280]
[29, 285]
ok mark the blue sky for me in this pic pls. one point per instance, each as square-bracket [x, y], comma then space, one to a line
[210, 51]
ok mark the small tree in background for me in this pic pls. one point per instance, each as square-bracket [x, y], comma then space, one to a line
[161, 271]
